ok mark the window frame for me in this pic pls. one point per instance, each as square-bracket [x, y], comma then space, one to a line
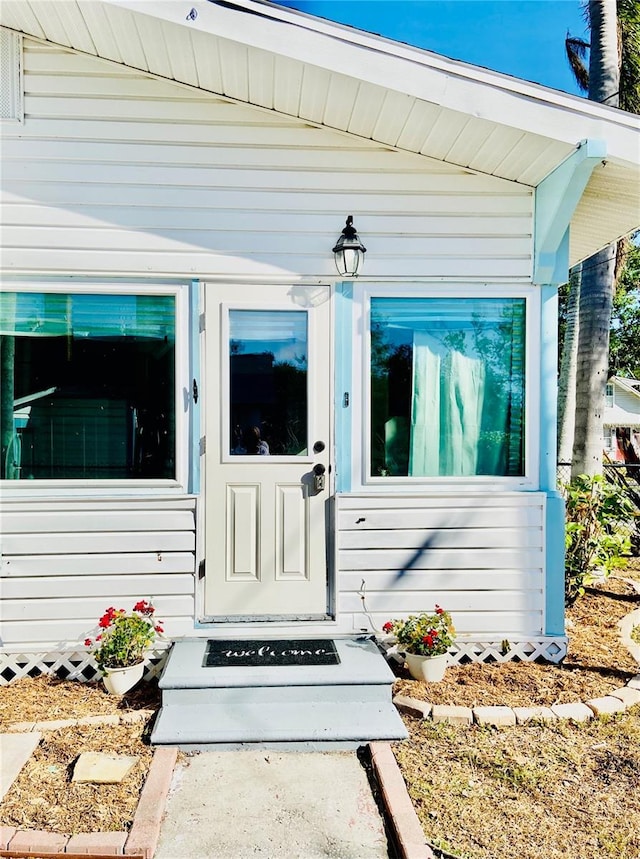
[609, 394]
[361, 444]
[182, 398]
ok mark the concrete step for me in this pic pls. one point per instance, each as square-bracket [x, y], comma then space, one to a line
[292, 722]
[345, 703]
[238, 696]
[361, 663]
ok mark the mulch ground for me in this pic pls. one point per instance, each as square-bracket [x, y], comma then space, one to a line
[43, 796]
[596, 662]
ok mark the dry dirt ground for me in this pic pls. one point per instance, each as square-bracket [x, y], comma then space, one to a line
[560, 791]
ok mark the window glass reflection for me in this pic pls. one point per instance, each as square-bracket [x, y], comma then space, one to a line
[87, 386]
[447, 387]
[268, 351]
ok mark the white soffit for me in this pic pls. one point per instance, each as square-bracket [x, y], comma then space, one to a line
[394, 94]
[612, 194]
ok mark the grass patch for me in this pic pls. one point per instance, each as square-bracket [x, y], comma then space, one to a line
[554, 791]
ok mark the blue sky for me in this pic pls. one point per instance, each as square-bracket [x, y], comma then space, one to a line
[524, 38]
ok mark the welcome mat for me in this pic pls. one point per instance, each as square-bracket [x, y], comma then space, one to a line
[224, 654]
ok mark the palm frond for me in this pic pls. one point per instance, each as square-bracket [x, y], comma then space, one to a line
[576, 49]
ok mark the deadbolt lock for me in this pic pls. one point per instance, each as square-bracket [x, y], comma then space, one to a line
[319, 477]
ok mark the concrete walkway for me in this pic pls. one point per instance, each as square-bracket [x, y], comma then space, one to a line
[15, 751]
[280, 805]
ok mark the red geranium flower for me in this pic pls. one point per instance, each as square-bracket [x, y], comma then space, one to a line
[88, 642]
[144, 607]
[387, 627]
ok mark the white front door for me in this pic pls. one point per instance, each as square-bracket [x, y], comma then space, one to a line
[268, 422]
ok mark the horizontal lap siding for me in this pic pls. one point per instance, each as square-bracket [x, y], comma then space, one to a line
[64, 562]
[118, 173]
[626, 408]
[480, 556]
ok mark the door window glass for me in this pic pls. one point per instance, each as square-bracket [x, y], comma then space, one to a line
[88, 384]
[268, 382]
[447, 387]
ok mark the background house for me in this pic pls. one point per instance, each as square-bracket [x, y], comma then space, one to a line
[621, 420]
[173, 185]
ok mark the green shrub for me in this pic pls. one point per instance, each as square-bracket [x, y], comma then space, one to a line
[595, 541]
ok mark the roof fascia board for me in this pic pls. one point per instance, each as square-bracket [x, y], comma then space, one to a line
[556, 198]
[451, 84]
[629, 389]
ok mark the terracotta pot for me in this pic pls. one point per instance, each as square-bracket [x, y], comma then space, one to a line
[430, 669]
[117, 681]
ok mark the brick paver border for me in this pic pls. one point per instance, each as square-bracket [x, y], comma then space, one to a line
[409, 835]
[615, 702]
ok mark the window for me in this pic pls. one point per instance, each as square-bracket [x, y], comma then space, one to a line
[88, 386]
[608, 395]
[447, 387]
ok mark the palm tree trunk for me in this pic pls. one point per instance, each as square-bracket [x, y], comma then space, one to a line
[596, 300]
[568, 366]
[596, 293]
[604, 67]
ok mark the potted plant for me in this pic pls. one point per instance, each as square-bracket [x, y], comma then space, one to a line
[425, 640]
[120, 646]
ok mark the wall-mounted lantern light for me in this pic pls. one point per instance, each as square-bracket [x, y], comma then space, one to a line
[349, 251]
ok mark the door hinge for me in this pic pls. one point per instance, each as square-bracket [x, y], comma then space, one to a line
[203, 446]
[201, 570]
[201, 322]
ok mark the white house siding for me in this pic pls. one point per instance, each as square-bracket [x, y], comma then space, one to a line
[115, 172]
[65, 561]
[625, 410]
[481, 556]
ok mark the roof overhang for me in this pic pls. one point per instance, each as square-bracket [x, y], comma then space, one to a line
[630, 386]
[256, 52]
